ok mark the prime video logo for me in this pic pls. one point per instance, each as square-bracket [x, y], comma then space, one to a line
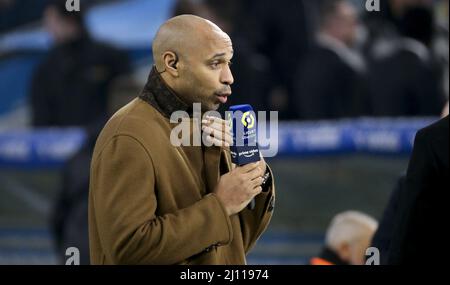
[373, 5]
[73, 5]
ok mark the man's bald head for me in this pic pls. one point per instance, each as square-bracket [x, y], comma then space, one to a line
[193, 56]
[182, 35]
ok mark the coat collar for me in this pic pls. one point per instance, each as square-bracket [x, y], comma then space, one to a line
[332, 257]
[162, 97]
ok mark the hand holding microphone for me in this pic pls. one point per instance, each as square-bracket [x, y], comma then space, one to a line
[238, 188]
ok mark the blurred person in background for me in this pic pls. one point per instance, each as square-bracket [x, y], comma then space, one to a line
[347, 238]
[70, 87]
[279, 32]
[331, 82]
[405, 77]
[69, 219]
[384, 25]
[440, 45]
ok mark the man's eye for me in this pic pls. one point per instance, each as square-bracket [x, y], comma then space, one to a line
[215, 64]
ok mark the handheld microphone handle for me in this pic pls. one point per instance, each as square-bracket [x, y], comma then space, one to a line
[244, 149]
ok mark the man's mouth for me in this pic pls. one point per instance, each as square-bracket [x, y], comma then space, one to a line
[223, 97]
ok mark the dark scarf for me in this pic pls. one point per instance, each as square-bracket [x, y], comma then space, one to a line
[330, 256]
[162, 97]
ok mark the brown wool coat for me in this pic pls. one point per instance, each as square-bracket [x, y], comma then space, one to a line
[152, 203]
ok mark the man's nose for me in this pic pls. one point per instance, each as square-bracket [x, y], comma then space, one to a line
[226, 77]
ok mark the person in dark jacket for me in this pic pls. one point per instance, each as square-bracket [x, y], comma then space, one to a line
[419, 236]
[69, 86]
[279, 32]
[405, 78]
[384, 25]
[383, 236]
[69, 219]
[331, 83]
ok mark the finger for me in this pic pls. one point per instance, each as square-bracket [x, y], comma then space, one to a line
[254, 192]
[214, 134]
[218, 133]
[216, 142]
[213, 120]
[257, 190]
[262, 166]
[209, 131]
[246, 168]
[253, 174]
[221, 127]
[217, 120]
[256, 182]
[217, 124]
[207, 122]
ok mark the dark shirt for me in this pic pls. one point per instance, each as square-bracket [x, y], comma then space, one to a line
[70, 87]
[420, 234]
[329, 88]
[403, 84]
[328, 257]
[383, 236]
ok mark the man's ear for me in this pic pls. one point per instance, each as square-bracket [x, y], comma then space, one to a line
[171, 63]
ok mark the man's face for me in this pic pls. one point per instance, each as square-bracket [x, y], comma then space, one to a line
[52, 23]
[400, 6]
[205, 75]
[348, 23]
[60, 29]
[358, 250]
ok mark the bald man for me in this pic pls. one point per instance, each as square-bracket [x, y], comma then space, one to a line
[154, 203]
[347, 238]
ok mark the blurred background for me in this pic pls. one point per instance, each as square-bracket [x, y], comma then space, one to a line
[352, 87]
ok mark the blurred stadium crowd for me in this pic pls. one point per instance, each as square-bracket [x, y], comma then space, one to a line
[388, 63]
[306, 59]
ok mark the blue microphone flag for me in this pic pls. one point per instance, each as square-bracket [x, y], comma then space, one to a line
[242, 120]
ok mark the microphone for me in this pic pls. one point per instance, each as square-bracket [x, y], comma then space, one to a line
[243, 125]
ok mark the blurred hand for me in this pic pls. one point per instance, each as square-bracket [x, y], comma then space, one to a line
[217, 131]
